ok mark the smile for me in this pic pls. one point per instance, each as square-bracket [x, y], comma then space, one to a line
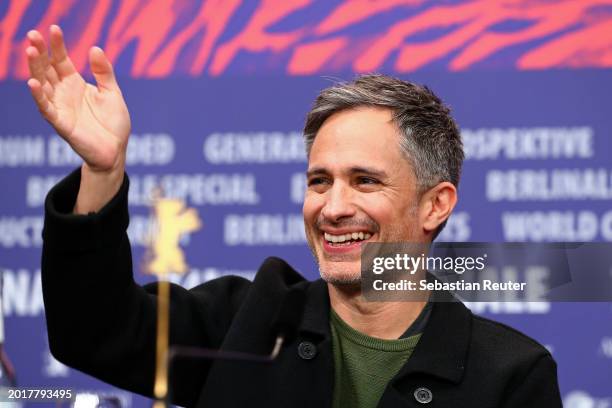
[349, 242]
[348, 237]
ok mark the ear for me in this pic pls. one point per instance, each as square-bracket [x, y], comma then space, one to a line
[436, 205]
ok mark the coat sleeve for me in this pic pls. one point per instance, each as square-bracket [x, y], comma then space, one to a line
[100, 321]
[539, 388]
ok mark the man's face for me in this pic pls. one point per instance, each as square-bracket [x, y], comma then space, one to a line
[360, 188]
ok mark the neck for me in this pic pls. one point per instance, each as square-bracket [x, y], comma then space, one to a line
[384, 320]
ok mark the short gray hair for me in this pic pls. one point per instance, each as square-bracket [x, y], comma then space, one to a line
[430, 137]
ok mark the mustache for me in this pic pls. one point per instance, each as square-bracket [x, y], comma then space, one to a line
[365, 223]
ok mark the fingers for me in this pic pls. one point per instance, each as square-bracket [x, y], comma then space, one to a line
[37, 70]
[36, 65]
[44, 106]
[102, 70]
[37, 41]
[59, 56]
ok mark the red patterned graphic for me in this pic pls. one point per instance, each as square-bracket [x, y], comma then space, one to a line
[161, 38]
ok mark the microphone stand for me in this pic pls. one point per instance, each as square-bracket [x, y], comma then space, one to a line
[285, 323]
[160, 387]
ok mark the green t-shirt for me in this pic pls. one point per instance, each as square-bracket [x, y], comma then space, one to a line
[364, 365]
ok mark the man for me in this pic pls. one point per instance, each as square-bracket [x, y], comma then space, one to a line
[384, 158]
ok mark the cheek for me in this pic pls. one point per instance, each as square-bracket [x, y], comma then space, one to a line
[391, 215]
[313, 203]
[377, 207]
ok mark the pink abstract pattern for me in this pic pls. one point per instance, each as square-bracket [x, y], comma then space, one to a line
[161, 38]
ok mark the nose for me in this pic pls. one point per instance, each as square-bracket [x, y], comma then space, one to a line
[338, 203]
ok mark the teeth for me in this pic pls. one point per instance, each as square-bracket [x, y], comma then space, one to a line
[346, 237]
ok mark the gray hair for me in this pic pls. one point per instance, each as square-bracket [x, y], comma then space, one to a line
[430, 138]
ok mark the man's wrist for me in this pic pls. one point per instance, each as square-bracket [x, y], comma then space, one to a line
[97, 188]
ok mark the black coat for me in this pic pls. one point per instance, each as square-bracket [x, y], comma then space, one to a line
[102, 323]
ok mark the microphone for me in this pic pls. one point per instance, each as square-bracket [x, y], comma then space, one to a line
[288, 317]
[285, 324]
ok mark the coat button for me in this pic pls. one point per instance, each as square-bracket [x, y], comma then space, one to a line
[423, 395]
[307, 350]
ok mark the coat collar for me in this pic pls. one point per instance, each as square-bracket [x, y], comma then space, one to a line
[442, 349]
[315, 319]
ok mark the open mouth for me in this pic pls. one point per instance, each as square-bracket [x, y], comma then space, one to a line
[347, 239]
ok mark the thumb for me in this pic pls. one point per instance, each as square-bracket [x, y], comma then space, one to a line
[102, 70]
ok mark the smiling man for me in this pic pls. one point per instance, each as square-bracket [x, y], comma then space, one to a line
[384, 158]
[363, 187]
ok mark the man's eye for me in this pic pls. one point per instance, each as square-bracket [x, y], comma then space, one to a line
[316, 180]
[367, 180]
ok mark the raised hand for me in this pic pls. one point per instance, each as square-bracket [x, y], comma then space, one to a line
[93, 120]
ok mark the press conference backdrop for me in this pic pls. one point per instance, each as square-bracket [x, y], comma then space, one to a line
[218, 91]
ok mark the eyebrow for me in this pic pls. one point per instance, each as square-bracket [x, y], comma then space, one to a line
[370, 171]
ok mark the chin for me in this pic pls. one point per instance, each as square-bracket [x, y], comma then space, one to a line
[340, 275]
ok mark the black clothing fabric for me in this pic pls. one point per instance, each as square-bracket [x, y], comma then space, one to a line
[102, 323]
[419, 323]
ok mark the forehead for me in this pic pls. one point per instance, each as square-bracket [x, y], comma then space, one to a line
[364, 136]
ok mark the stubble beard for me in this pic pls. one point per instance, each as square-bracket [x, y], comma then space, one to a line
[340, 271]
[340, 275]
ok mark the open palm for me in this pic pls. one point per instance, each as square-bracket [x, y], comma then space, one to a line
[94, 120]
